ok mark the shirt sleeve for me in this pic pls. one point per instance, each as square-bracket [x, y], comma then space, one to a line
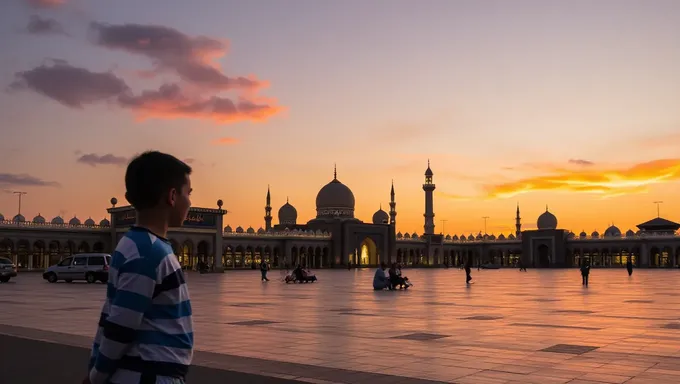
[135, 285]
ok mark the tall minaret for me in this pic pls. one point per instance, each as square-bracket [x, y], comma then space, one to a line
[393, 207]
[518, 224]
[429, 188]
[268, 212]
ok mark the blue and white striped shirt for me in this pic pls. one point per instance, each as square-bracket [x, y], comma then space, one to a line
[145, 331]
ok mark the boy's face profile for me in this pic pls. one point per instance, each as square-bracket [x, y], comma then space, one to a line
[179, 201]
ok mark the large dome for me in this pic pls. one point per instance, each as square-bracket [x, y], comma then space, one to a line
[335, 199]
[547, 220]
[612, 231]
[287, 214]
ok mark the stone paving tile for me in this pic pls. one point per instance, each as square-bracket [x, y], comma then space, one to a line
[341, 331]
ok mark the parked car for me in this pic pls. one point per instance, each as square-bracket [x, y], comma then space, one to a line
[7, 269]
[90, 267]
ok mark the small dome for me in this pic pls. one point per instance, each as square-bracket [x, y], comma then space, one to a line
[492, 237]
[39, 219]
[547, 220]
[630, 233]
[612, 231]
[239, 229]
[471, 237]
[74, 221]
[595, 234]
[250, 230]
[571, 235]
[57, 221]
[582, 235]
[89, 222]
[19, 218]
[448, 237]
[479, 236]
[414, 235]
[501, 237]
[399, 235]
[287, 214]
[260, 230]
[228, 229]
[407, 235]
[381, 217]
[455, 237]
[105, 223]
[511, 237]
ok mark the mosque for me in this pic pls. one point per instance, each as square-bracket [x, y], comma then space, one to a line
[335, 238]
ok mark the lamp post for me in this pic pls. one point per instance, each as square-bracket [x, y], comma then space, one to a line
[19, 193]
[658, 203]
[485, 219]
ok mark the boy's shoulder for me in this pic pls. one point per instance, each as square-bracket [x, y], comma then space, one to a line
[139, 242]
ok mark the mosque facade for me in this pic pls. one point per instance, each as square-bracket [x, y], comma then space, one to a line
[335, 238]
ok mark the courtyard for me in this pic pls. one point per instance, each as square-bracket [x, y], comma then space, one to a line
[540, 326]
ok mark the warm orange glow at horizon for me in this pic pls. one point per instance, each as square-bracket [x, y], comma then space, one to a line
[607, 182]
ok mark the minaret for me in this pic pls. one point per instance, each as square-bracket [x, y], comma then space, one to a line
[429, 188]
[393, 207]
[268, 212]
[518, 224]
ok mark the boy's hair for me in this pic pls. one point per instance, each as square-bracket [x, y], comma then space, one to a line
[152, 174]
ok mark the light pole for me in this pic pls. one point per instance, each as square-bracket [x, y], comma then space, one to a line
[485, 219]
[20, 193]
[658, 203]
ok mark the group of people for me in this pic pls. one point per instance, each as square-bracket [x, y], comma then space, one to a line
[390, 281]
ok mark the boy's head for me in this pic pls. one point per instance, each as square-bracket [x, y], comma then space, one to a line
[159, 182]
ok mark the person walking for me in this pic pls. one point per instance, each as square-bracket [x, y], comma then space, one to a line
[145, 332]
[629, 266]
[585, 272]
[264, 267]
[468, 271]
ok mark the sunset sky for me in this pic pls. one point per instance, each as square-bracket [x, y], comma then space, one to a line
[571, 104]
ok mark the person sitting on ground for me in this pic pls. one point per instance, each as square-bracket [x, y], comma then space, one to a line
[395, 276]
[380, 281]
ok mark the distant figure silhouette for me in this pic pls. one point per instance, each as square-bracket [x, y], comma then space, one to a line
[629, 267]
[585, 272]
[467, 273]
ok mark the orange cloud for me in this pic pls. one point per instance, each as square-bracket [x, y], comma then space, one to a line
[452, 196]
[225, 141]
[169, 102]
[608, 182]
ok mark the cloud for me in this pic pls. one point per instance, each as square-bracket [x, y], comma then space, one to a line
[24, 180]
[452, 196]
[169, 102]
[44, 26]
[608, 182]
[659, 140]
[192, 58]
[581, 162]
[93, 159]
[70, 85]
[75, 87]
[225, 141]
[45, 3]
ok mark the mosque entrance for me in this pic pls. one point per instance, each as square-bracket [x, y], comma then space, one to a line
[368, 252]
[543, 256]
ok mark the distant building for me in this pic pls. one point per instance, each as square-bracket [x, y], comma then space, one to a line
[335, 237]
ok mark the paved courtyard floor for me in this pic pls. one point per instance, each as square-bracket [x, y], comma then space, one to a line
[540, 326]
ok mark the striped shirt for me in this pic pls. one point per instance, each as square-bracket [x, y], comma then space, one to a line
[145, 330]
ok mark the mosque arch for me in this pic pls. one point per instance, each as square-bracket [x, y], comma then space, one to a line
[368, 253]
[38, 255]
[544, 256]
